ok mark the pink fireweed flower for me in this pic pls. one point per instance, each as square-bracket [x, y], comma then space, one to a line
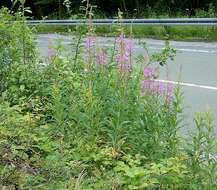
[153, 87]
[124, 55]
[89, 42]
[130, 46]
[156, 88]
[149, 72]
[160, 88]
[147, 85]
[169, 92]
[89, 46]
[125, 67]
[121, 38]
[102, 57]
[130, 49]
[121, 59]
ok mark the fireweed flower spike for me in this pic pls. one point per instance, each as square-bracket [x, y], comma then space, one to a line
[130, 49]
[149, 72]
[169, 92]
[89, 44]
[125, 51]
[149, 85]
[102, 57]
[153, 87]
[160, 88]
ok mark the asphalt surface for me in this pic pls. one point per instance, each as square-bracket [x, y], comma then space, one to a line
[195, 65]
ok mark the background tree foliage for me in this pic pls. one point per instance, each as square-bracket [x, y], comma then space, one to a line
[139, 8]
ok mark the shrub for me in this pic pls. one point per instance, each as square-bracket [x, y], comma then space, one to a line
[17, 56]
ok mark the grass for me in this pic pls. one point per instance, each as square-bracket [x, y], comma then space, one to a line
[180, 33]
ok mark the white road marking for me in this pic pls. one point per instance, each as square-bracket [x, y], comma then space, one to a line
[185, 50]
[184, 44]
[188, 84]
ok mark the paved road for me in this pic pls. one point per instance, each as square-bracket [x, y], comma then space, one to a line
[195, 63]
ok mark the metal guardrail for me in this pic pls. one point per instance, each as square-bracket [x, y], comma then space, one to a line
[164, 22]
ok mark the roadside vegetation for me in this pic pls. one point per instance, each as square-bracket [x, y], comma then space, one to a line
[71, 9]
[132, 8]
[179, 33]
[95, 117]
[187, 33]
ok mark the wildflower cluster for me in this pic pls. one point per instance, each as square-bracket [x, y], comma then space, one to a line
[152, 86]
[124, 57]
[100, 56]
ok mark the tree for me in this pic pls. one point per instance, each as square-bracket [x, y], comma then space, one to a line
[109, 7]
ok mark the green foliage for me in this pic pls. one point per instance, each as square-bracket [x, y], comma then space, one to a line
[75, 123]
[137, 8]
[167, 174]
[17, 48]
[141, 9]
[202, 151]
